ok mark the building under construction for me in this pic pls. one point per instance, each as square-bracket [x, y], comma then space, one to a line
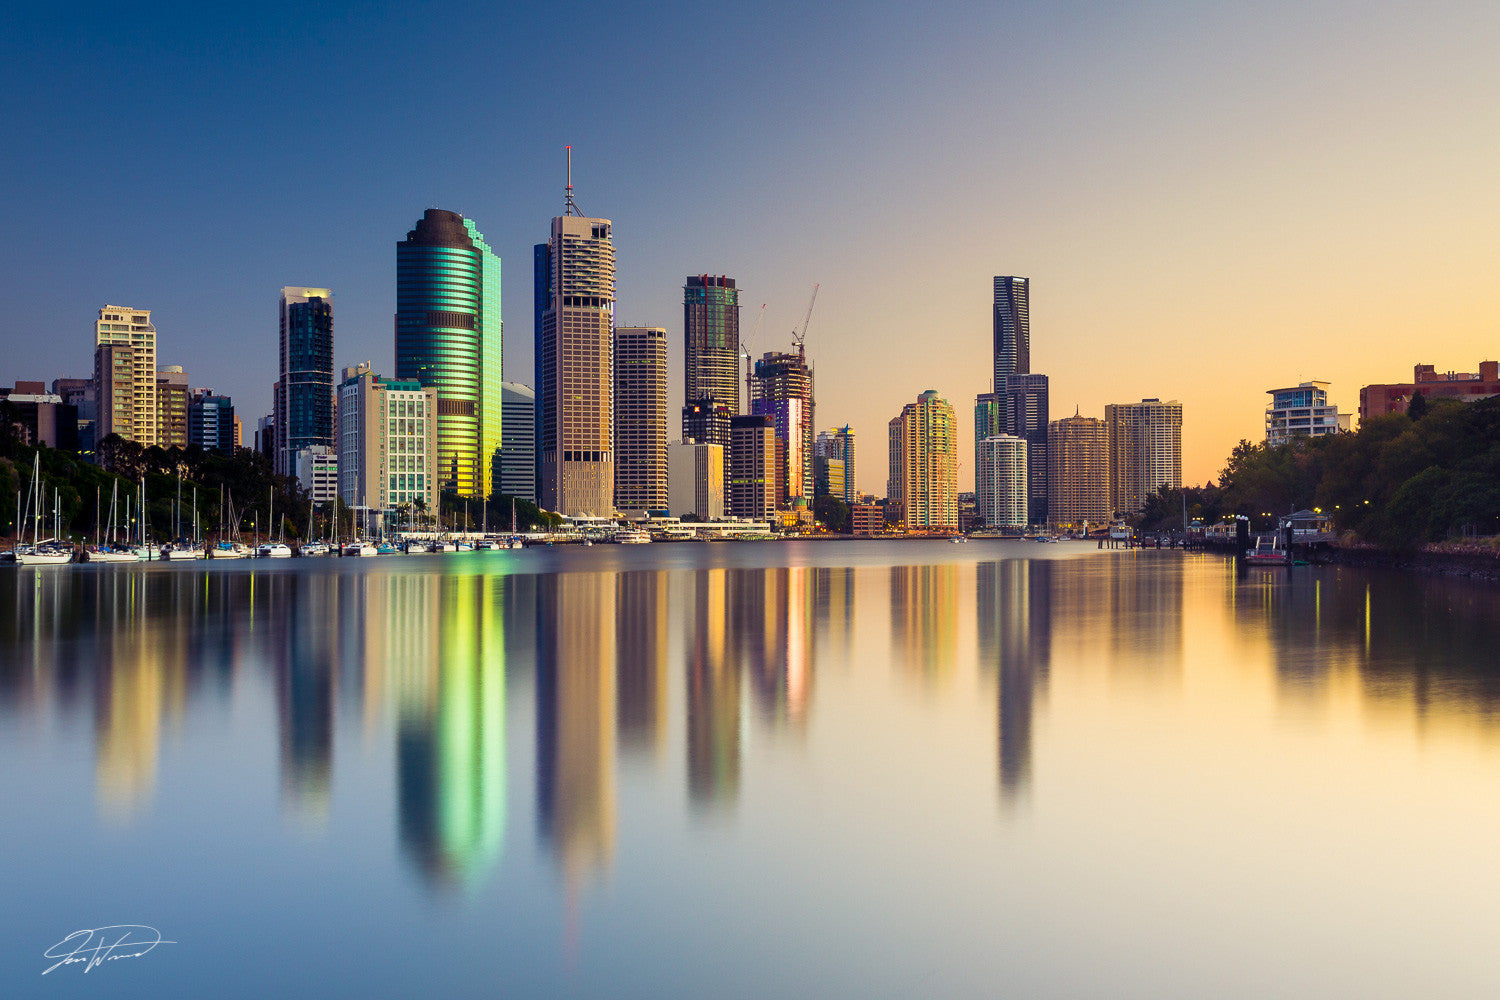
[782, 378]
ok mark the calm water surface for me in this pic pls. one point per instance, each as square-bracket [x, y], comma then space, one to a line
[828, 770]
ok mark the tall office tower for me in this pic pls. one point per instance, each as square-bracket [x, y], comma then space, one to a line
[518, 441]
[1012, 334]
[303, 395]
[447, 314]
[640, 418]
[783, 377]
[828, 477]
[923, 483]
[211, 421]
[839, 443]
[172, 407]
[1027, 398]
[491, 362]
[706, 421]
[786, 418]
[989, 418]
[752, 467]
[695, 479]
[122, 326]
[390, 441]
[574, 366]
[1000, 481]
[711, 341]
[114, 391]
[1078, 473]
[1145, 451]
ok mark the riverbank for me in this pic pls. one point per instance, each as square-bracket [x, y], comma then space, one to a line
[1471, 560]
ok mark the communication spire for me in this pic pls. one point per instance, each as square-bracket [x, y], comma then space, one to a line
[570, 208]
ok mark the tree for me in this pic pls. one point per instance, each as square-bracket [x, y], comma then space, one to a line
[1417, 408]
[832, 512]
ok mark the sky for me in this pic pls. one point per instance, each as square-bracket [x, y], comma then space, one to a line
[1210, 199]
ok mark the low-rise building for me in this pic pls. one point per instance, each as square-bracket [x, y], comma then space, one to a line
[1376, 400]
[318, 472]
[1302, 411]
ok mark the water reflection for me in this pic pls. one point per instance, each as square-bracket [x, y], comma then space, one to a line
[417, 663]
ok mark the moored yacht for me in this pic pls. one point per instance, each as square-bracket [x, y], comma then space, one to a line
[274, 550]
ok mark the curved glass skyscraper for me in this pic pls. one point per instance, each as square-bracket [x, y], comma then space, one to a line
[447, 314]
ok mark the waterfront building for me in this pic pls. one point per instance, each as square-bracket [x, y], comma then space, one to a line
[1027, 402]
[318, 472]
[128, 376]
[640, 418]
[1000, 493]
[711, 340]
[389, 445]
[448, 337]
[752, 467]
[1375, 400]
[172, 407]
[1078, 470]
[695, 480]
[781, 377]
[1304, 411]
[923, 480]
[211, 421]
[575, 303]
[1011, 315]
[866, 519]
[518, 441]
[302, 399]
[838, 443]
[1145, 452]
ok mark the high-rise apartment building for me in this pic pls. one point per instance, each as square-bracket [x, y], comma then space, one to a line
[518, 441]
[640, 418]
[389, 443]
[838, 443]
[172, 407]
[1145, 451]
[115, 391]
[1000, 482]
[923, 481]
[1078, 470]
[1027, 402]
[124, 326]
[304, 392]
[1012, 323]
[211, 421]
[575, 301]
[1304, 411]
[448, 337]
[752, 467]
[785, 377]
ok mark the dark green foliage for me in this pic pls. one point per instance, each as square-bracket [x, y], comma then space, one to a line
[1417, 408]
[832, 512]
[1400, 481]
[1163, 510]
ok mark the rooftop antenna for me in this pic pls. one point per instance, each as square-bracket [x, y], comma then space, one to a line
[570, 208]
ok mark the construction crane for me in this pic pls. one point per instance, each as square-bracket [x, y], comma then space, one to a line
[799, 337]
[745, 353]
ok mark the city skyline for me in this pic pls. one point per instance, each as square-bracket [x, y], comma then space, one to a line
[1354, 178]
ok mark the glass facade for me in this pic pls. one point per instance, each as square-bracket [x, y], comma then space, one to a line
[304, 399]
[446, 278]
[491, 363]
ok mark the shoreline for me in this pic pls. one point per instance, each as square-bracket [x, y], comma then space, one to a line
[1444, 559]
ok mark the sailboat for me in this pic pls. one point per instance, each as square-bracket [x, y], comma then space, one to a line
[108, 552]
[43, 552]
[273, 549]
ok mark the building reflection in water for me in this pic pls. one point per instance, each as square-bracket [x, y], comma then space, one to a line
[924, 619]
[447, 635]
[304, 649]
[1014, 599]
[575, 720]
[771, 617]
[641, 642]
[713, 689]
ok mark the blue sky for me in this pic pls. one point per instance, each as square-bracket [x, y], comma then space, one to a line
[1210, 200]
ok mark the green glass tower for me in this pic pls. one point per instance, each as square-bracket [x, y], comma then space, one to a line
[447, 287]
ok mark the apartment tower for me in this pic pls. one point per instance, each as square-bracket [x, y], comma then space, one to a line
[1078, 466]
[1145, 451]
[125, 374]
[923, 481]
[640, 418]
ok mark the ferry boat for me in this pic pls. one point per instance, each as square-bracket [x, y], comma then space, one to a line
[1267, 552]
[632, 536]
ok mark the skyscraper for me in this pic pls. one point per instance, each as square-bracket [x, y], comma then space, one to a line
[386, 454]
[574, 364]
[211, 421]
[129, 412]
[1078, 466]
[640, 418]
[752, 474]
[1145, 451]
[779, 378]
[711, 340]
[1027, 399]
[448, 337]
[1012, 315]
[923, 481]
[518, 443]
[838, 444]
[304, 392]
[1000, 481]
